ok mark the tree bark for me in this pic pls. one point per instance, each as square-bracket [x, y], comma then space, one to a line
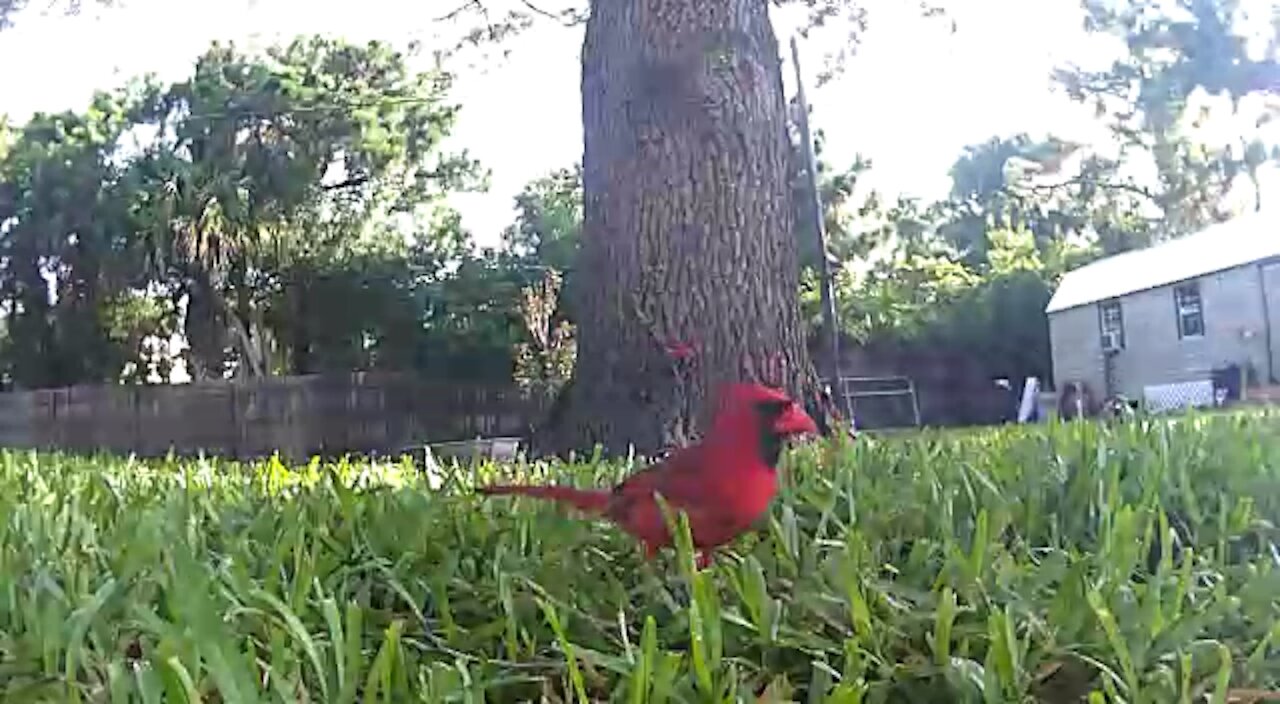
[687, 237]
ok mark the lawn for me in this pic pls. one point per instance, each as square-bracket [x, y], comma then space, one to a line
[1053, 563]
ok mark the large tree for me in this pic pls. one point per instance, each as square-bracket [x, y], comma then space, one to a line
[687, 228]
[688, 267]
[688, 271]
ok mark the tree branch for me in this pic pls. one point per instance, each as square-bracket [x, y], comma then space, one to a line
[565, 18]
[454, 14]
[1107, 185]
[353, 182]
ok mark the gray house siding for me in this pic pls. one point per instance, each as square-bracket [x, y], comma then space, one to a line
[1271, 276]
[1076, 343]
[1235, 322]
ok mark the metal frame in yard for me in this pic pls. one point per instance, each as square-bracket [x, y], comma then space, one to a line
[847, 390]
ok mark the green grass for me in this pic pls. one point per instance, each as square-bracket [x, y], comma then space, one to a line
[995, 566]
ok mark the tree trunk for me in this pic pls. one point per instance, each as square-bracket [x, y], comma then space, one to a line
[299, 294]
[688, 223]
[204, 328]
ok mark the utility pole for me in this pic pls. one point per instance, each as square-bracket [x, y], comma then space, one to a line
[829, 323]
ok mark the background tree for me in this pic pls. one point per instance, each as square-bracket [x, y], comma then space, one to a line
[474, 321]
[255, 152]
[548, 227]
[851, 211]
[546, 360]
[1156, 94]
[286, 217]
[344, 304]
[545, 238]
[64, 222]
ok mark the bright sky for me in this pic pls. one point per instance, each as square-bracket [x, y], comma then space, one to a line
[915, 95]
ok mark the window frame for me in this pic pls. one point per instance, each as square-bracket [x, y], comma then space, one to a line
[1182, 310]
[1103, 327]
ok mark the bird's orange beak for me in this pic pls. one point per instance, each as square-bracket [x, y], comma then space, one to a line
[794, 421]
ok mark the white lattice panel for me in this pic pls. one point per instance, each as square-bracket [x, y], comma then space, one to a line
[1170, 397]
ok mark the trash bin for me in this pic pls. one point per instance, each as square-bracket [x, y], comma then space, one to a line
[1227, 379]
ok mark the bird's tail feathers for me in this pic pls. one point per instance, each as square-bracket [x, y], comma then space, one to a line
[590, 500]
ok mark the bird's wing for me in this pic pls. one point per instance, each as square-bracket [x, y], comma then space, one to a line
[681, 477]
[683, 483]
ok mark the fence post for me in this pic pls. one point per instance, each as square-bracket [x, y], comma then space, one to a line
[399, 410]
[137, 419]
[236, 431]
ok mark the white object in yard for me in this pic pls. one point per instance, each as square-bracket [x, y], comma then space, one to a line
[1169, 397]
[502, 449]
[429, 458]
[1030, 396]
[425, 460]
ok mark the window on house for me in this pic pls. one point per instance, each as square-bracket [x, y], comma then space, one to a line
[1190, 310]
[1111, 322]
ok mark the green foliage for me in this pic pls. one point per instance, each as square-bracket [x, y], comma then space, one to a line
[1175, 55]
[283, 212]
[855, 221]
[474, 321]
[343, 305]
[547, 359]
[548, 225]
[902, 296]
[1123, 563]
[64, 218]
[969, 275]
[991, 190]
[930, 296]
[142, 327]
[543, 245]
[318, 134]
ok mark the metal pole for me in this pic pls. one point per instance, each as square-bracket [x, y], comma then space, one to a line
[820, 236]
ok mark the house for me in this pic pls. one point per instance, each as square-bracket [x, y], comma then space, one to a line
[1171, 313]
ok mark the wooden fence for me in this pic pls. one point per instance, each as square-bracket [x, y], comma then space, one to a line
[297, 416]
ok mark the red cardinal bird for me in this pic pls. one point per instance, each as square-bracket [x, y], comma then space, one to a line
[723, 484]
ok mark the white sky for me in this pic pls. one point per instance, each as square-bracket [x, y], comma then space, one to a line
[913, 97]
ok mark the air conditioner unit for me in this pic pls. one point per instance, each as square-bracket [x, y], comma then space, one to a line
[1111, 342]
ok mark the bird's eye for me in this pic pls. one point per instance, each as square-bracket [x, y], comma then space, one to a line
[772, 408]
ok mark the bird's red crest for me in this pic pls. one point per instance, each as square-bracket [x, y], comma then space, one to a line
[789, 418]
[742, 393]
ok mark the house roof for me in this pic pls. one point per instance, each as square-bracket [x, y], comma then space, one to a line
[1242, 240]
